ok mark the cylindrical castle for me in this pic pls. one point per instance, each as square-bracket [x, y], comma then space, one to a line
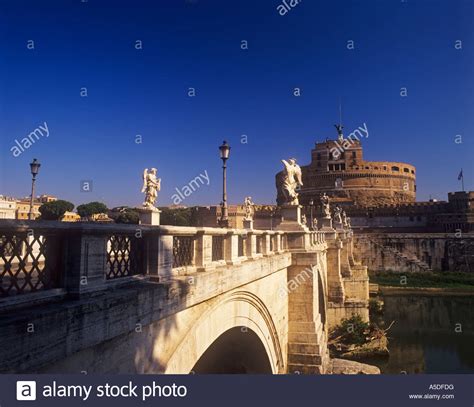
[337, 167]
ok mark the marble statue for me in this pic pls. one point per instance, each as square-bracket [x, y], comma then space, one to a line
[337, 214]
[325, 209]
[315, 224]
[151, 187]
[344, 218]
[303, 219]
[249, 208]
[292, 180]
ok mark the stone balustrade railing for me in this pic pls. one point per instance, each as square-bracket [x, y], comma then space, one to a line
[42, 258]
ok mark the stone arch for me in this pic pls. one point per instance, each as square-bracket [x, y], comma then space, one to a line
[239, 309]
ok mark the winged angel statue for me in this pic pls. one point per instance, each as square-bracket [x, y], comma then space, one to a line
[151, 186]
[292, 180]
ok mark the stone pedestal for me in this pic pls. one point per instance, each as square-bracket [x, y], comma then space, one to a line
[325, 223]
[291, 219]
[149, 216]
[248, 223]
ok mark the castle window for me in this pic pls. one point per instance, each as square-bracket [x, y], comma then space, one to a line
[385, 167]
[331, 167]
[376, 168]
[412, 171]
[406, 170]
[353, 154]
[395, 169]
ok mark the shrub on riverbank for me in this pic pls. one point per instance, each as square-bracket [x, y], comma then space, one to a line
[355, 339]
[426, 280]
[352, 331]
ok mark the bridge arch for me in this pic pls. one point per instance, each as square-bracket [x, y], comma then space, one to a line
[240, 309]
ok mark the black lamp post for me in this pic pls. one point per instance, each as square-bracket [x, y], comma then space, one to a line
[224, 153]
[311, 203]
[34, 166]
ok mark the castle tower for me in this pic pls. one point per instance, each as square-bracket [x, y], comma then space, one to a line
[338, 168]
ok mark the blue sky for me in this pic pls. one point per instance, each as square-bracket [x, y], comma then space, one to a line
[197, 43]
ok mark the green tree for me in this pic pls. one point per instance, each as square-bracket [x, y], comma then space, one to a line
[55, 210]
[128, 216]
[177, 216]
[91, 208]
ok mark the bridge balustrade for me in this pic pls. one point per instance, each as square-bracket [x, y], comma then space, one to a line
[28, 263]
[45, 259]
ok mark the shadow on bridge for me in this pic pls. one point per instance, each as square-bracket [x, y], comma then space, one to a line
[237, 351]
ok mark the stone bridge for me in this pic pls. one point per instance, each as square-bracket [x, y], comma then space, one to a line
[102, 298]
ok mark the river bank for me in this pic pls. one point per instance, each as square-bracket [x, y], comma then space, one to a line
[429, 282]
[431, 330]
[435, 291]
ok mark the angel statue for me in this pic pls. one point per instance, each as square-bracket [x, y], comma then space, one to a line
[348, 222]
[151, 186]
[344, 218]
[337, 214]
[248, 208]
[325, 209]
[290, 181]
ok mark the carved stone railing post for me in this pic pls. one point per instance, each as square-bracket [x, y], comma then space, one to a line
[86, 262]
[251, 245]
[203, 250]
[165, 257]
[266, 244]
[277, 242]
[231, 247]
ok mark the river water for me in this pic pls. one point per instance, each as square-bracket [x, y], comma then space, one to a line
[431, 334]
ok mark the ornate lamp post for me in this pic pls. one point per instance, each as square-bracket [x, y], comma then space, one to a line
[34, 166]
[311, 203]
[224, 153]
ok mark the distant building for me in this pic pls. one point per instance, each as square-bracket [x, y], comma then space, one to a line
[265, 216]
[71, 217]
[23, 209]
[46, 198]
[13, 208]
[7, 207]
[100, 217]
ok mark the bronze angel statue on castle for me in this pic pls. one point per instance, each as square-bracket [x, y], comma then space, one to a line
[151, 186]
